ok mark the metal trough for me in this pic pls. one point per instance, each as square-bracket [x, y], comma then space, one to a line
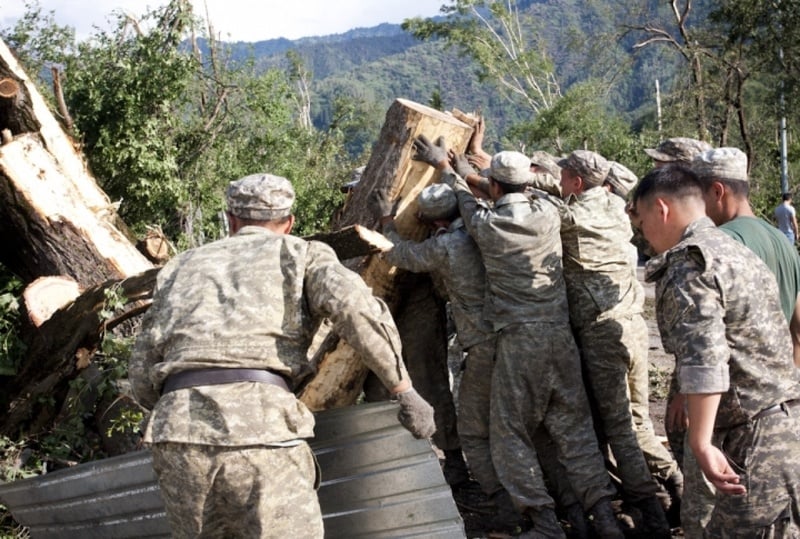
[377, 482]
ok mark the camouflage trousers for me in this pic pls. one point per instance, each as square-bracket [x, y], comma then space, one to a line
[473, 414]
[765, 455]
[255, 491]
[610, 350]
[699, 495]
[537, 383]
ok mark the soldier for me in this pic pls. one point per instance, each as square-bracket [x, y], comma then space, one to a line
[220, 352]
[718, 313]
[451, 255]
[723, 175]
[678, 150]
[605, 306]
[536, 378]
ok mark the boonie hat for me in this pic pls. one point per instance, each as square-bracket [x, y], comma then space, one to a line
[437, 201]
[590, 166]
[679, 149]
[546, 161]
[260, 197]
[722, 163]
[512, 168]
[621, 178]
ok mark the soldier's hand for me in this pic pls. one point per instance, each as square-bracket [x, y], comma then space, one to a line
[380, 202]
[677, 416]
[718, 470]
[461, 165]
[433, 153]
[415, 414]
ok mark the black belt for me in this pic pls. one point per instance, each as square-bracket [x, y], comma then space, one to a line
[212, 377]
[777, 408]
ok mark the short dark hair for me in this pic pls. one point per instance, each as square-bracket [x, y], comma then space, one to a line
[509, 187]
[675, 180]
[738, 187]
[786, 196]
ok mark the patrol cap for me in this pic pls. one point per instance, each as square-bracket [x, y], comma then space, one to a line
[437, 201]
[679, 149]
[260, 197]
[621, 178]
[722, 163]
[512, 168]
[546, 161]
[590, 166]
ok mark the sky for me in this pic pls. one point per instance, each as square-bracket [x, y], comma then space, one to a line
[240, 20]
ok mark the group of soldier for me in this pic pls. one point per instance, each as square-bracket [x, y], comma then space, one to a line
[535, 256]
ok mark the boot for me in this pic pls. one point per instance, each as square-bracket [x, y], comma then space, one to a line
[654, 521]
[507, 519]
[603, 520]
[579, 528]
[455, 469]
[545, 525]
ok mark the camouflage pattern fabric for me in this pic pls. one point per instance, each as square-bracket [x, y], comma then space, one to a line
[452, 256]
[718, 313]
[519, 243]
[605, 303]
[473, 414]
[699, 495]
[251, 301]
[537, 383]
[220, 492]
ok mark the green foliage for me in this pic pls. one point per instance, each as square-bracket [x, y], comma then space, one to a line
[12, 349]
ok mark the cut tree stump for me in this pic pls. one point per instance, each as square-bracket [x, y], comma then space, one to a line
[341, 372]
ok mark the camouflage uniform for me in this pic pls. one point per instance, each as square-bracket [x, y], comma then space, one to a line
[606, 303]
[718, 313]
[250, 301]
[452, 256]
[536, 377]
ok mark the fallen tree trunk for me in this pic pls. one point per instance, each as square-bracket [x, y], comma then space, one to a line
[341, 373]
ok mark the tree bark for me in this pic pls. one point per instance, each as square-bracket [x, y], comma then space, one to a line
[340, 373]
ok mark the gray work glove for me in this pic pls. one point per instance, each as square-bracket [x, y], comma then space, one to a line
[429, 152]
[380, 202]
[461, 165]
[415, 414]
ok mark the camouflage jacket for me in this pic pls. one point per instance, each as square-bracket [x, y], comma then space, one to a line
[599, 259]
[253, 300]
[452, 256]
[718, 312]
[521, 249]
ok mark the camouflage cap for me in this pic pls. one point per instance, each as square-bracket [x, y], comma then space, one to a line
[547, 162]
[678, 149]
[722, 163]
[437, 201]
[512, 168]
[621, 178]
[260, 197]
[590, 166]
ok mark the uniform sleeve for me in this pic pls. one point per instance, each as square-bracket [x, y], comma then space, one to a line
[692, 311]
[547, 183]
[419, 257]
[358, 317]
[145, 356]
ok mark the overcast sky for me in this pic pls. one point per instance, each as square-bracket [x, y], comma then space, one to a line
[241, 20]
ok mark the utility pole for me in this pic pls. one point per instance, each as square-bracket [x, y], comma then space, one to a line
[784, 157]
[658, 107]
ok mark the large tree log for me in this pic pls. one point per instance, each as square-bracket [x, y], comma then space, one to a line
[54, 218]
[340, 374]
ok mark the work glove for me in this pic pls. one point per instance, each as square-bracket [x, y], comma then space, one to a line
[429, 152]
[461, 165]
[380, 202]
[415, 414]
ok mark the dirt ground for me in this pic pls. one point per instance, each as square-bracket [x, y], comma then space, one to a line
[474, 506]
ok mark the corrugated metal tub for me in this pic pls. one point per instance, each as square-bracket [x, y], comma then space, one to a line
[378, 482]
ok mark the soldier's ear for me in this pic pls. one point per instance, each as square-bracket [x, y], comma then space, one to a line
[663, 208]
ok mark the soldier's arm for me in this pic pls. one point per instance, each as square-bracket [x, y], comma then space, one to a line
[146, 354]
[362, 320]
[419, 257]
